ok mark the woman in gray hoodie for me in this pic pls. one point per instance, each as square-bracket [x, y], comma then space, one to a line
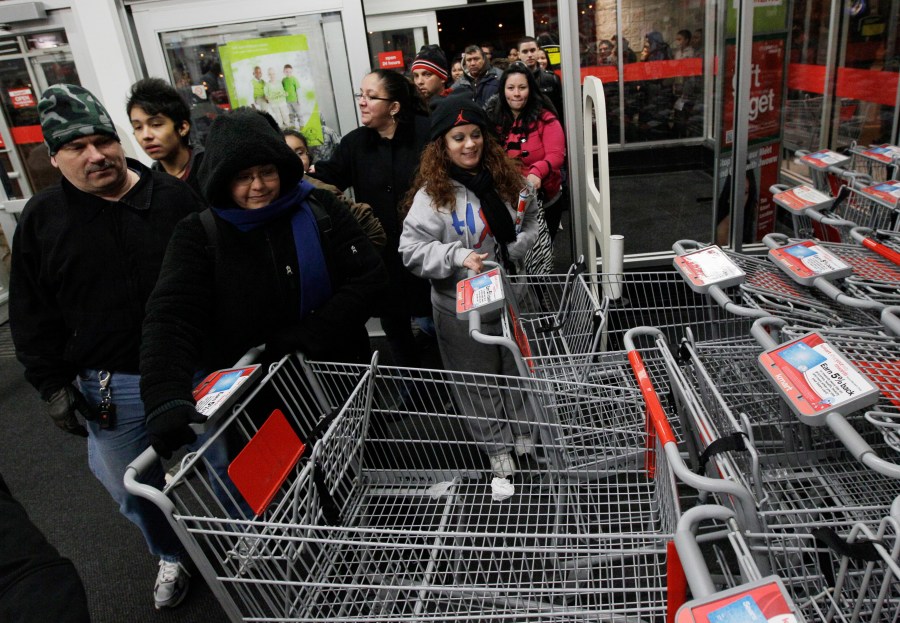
[462, 214]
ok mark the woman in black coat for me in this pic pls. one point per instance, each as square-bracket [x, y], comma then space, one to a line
[273, 261]
[379, 160]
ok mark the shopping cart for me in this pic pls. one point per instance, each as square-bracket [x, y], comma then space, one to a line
[831, 218]
[802, 122]
[849, 274]
[798, 474]
[763, 290]
[393, 518]
[879, 162]
[821, 574]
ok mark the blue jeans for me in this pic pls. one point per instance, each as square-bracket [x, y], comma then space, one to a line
[110, 451]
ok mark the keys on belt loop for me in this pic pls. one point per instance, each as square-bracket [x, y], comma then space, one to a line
[106, 411]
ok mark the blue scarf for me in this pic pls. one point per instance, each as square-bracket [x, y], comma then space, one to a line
[315, 283]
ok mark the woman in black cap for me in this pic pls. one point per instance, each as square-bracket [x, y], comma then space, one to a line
[463, 213]
[273, 261]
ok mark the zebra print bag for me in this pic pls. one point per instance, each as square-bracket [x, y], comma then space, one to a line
[539, 260]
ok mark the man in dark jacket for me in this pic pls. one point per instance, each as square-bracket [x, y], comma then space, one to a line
[86, 255]
[479, 79]
[547, 82]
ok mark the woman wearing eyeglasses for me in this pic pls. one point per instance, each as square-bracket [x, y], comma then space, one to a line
[273, 261]
[464, 213]
[530, 130]
[379, 160]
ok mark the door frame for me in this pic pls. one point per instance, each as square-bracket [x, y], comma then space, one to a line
[422, 19]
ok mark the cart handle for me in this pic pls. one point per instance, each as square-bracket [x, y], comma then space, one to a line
[833, 221]
[692, 560]
[863, 236]
[775, 241]
[682, 246]
[135, 470]
[763, 328]
[659, 421]
[859, 447]
[890, 318]
[495, 340]
[778, 188]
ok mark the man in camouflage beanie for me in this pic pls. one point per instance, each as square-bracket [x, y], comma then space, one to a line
[68, 111]
[86, 255]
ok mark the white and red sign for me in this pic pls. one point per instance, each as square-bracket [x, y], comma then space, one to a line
[766, 79]
[483, 292]
[765, 603]
[801, 197]
[882, 153]
[824, 159]
[814, 378]
[887, 193]
[221, 387]
[391, 60]
[707, 267]
[21, 98]
[807, 260]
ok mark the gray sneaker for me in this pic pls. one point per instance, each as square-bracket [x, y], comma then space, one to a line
[171, 584]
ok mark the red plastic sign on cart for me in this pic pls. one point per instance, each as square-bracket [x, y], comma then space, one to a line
[806, 261]
[259, 470]
[882, 153]
[823, 159]
[885, 193]
[815, 379]
[801, 197]
[766, 602]
[483, 292]
[708, 267]
[222, 388]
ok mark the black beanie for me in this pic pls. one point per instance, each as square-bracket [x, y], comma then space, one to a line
[457, 110]
[432, 58]
[239, 140]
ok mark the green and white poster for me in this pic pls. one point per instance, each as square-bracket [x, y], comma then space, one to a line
[274, 75]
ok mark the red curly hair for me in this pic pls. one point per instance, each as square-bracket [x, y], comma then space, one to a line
[433, 174]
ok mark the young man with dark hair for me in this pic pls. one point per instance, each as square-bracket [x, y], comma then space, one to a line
[161, 122]
[547, 82]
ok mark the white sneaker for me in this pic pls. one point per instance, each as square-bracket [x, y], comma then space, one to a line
[171, 584]
[524, 444]
[502, 465]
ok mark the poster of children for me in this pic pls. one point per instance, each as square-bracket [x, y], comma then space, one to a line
[273, 75]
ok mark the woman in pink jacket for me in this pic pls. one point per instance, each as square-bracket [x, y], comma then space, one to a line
[531, 132]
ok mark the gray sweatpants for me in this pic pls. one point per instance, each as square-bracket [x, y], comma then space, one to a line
[494, 415]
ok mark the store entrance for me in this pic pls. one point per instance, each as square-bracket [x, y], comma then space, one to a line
[497, 25]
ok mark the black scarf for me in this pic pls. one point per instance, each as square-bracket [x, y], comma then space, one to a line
[495, 211]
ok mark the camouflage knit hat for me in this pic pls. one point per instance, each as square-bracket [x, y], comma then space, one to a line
[68, 111]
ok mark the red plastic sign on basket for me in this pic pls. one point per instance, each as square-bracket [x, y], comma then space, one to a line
[262, 466]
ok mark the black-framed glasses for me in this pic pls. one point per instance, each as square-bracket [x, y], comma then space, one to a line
[370, 98]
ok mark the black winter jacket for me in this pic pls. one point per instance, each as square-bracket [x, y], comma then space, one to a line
[381, 172]
[211, 306]
[82, 271]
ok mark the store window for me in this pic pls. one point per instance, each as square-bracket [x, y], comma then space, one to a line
[277, 66]
[858, 105]
[653, 79]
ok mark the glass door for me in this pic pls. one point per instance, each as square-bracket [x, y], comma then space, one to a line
[297, 67]
[394, 40]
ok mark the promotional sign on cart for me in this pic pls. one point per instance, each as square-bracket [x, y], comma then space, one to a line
[708, 267]
[815, 379]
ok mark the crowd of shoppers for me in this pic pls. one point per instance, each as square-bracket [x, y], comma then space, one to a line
[130, 283]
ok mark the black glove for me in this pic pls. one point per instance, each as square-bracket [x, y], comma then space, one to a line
[283, 342]
[61, 406]
[169, 428]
